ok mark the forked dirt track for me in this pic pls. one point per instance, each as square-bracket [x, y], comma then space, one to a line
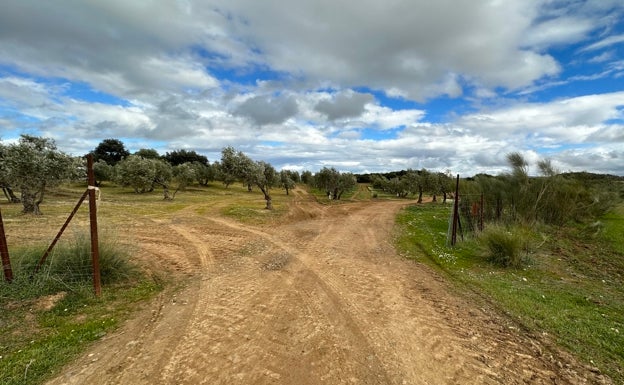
[322, 298]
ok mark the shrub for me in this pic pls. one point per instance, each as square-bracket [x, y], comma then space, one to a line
[505, 247]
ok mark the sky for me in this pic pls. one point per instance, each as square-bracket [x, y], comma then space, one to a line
[362, 86]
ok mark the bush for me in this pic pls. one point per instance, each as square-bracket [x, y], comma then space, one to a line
[505, 247]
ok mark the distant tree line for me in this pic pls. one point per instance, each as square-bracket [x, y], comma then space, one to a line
[34, 164]
[412, 183]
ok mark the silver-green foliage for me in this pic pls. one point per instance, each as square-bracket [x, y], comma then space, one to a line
[333, 182]
[32, 165]
[138, 172]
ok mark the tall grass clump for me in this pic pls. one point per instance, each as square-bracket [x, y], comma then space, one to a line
[504, 247]
[68, 267]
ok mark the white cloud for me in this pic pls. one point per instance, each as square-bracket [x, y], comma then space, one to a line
[384, 118]
[562, 30]
[606, 42]
[568, 120]
[166, 61]
[408, 47]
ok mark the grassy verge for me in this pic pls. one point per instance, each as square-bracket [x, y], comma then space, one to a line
[569, 286]
[48, 319]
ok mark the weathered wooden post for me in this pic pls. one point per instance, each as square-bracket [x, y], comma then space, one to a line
[95, 254]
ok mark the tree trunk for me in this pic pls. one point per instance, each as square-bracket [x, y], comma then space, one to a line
[269, 201]
[420, 194]
[10, 195]
[434, 198]
[267, 198]
[444, 197]
[166, 195]
[30, 202]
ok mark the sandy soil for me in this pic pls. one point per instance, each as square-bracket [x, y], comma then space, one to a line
[322, 298]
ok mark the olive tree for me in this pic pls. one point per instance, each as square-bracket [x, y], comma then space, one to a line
[183, 176]
[288, 179]
[32, 165]
[204, 173]
[264, 176]
[444, 184]
[136, 172]
[4, 184]
[333, 182]
[103, 171]
[235, 165]
[231, 167]
[307, 178]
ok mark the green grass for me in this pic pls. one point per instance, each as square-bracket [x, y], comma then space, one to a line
[570, 287]
[613, 223]
[36, 341]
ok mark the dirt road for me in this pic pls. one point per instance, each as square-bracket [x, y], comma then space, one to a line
[322, 298]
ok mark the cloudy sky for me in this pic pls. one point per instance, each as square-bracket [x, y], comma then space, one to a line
[362, 86]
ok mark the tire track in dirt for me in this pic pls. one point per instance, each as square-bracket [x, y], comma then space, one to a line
[401, 329]
[320, 299]
[146, 340]
[322, 313]
[410, 340]
[355, 313]
[205, 285]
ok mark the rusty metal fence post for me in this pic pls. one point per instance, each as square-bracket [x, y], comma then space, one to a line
[95, 253]
[4, 252]
[455, 214]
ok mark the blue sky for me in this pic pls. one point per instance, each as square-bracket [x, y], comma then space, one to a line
[363, 86]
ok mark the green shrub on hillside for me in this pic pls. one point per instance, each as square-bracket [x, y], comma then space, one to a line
[505, 247]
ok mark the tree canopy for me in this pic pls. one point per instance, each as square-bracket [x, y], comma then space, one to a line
[178, 157]
[235, 165]
[147, 153]
[111, 151]
[333, 182]
[32, 165]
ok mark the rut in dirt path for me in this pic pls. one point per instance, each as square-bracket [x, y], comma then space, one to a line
[321, 299]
